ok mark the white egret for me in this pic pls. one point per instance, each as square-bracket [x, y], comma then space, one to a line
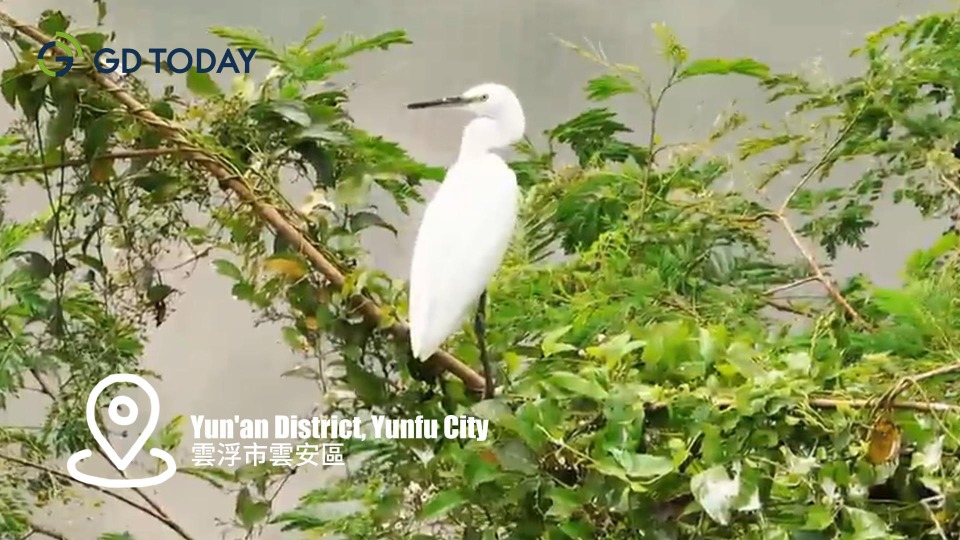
[466, 228]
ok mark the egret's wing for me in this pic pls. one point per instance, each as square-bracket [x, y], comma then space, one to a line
[464, 235]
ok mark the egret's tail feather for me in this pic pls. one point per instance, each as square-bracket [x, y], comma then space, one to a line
[426, 337]
[416, 345]
[422, 346]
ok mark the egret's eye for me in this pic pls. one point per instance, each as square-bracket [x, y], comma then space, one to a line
[484, 97]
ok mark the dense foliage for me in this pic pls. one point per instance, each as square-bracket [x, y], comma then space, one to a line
[658, 379]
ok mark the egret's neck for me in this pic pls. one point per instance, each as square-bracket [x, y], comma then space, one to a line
[484, 134]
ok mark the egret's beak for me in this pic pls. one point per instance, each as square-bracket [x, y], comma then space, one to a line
[455, 101]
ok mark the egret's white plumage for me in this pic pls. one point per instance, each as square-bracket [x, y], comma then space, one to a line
[466, 228]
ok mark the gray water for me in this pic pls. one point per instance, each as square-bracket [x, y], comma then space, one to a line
[214, 362]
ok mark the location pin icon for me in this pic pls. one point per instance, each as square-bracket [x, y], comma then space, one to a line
[123, 420]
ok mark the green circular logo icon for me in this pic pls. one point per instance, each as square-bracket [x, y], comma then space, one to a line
[66, 59]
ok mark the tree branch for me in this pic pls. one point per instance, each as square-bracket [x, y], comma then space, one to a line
[827, 283]
[49, 533]
[79, 162]
[165, 520]
[781, 217]
[780, 288]
[836, 403]
[220, 169]
[903, 383]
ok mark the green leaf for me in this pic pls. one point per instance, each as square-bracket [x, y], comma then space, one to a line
[716, 492]
[369, 387]
[101, 10]
[116, 536]
[245, 38]
[171, 435]
[293, 338]
[607, 86]
[577, 529]
[363, 220]
[215, 476]
[551, 345]
[250, 512]
[35, 264]
[513, 455]
[30, 90]
[578, 385]
[740, 356]
[52, 22]
[672, 51]
[866, 525]
[294, 111]
[163, 109]
[244, 291]
[61, 127]
[819, 517]
[97, 134]
[321, 132]
[202, 84]
[494, 410]
[929, 458]
[228, 269]
[302, 372]
[725, 66]
[158, 293]
[92, 40]
[158, 184]
[565, 502]
[442, 503]
[382, 41]
[612, 350]
[643, 465]
[477, 471]
[352, 191]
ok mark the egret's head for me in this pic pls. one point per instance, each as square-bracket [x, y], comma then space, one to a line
[488, 100]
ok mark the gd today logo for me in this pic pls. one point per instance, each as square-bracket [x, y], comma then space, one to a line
[67, 60]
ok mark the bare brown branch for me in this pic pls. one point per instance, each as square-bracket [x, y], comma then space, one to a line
[44, 531]
[232, 182]
[792, 285]
[836, 403]
[827, 283]
[781, 217]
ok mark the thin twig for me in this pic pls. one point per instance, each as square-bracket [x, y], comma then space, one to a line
[189, 260]
[834, 403]
[781, 217]
[827, 283]
[166, 521]
[231, 181]
[821, 162]
[780, 288]
[933, 517]
[79, 162]
[787, 308]
[49, 533]
[942, 370]
[949, 183]
[903, 383]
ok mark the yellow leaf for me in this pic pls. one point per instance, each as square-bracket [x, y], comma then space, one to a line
[884, 441]
[290, 268]
[310, 323]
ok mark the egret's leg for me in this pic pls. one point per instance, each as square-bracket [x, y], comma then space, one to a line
[478, 328]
